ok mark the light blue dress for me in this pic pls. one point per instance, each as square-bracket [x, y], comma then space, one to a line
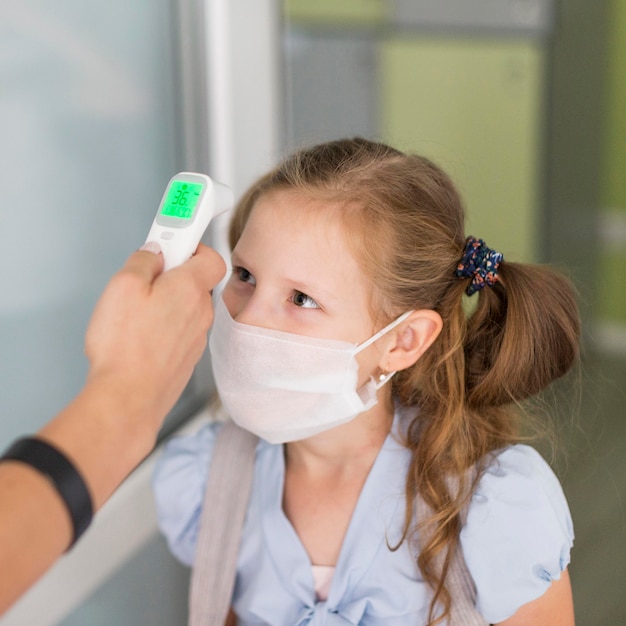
[516, 540]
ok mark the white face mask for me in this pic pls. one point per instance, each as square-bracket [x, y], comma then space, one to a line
[285, 387]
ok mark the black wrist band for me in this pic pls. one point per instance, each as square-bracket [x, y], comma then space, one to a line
[64, 476]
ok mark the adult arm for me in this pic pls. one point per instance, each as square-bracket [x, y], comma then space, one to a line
[146, 334]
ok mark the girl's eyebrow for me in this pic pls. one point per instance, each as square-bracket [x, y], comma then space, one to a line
[235, 259]
[315, 291]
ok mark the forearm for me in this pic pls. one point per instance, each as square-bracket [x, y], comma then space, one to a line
[106, 432]
[105, 435]
[34, 529]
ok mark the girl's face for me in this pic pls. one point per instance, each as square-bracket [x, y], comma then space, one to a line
[293, 271]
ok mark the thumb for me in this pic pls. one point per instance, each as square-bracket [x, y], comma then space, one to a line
[207, 265]
[147, 262]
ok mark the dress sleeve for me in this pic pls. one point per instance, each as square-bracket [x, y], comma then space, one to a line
[178, 483]
[518, 534]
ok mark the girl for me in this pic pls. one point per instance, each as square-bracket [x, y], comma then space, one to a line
[344, 334]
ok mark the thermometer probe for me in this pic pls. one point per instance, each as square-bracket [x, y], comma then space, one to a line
[189, 203]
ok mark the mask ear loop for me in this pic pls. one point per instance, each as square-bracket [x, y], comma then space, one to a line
[383, 379]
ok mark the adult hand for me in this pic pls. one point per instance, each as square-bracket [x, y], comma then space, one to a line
[149, 329]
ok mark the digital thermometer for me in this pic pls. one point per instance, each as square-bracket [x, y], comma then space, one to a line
[189, 203]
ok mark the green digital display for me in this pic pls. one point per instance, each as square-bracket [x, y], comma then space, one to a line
[182, 199]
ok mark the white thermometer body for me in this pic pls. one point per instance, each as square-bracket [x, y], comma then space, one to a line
[189, 203]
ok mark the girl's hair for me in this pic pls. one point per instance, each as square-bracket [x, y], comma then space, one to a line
[405, 223]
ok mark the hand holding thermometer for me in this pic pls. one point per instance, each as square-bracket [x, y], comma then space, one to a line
[189, 203]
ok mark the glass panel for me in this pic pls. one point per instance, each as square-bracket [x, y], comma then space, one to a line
[87, 120]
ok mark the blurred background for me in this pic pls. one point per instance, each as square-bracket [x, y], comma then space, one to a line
[523, 102]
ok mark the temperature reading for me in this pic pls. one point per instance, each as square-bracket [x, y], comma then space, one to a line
[182, 196]
[189, 202]
[182, 199]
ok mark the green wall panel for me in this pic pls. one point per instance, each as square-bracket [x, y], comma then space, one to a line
[335, 11]
[612, 286]
[611, 304]
[615, 184]
[473, 106]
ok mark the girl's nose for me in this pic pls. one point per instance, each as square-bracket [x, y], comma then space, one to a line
[253, 310]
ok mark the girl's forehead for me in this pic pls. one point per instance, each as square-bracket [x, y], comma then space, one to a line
[298, 203]
[304, 236]
[304, 218]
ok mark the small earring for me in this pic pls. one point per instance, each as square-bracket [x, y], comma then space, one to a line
[382, 376]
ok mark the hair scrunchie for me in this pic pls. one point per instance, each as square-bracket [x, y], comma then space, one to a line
[479, 263]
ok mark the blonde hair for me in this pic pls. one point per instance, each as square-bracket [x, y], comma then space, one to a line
[405, 222]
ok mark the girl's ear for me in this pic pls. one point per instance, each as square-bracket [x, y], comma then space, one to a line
[411, 339]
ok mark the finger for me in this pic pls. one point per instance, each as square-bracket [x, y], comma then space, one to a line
[208, 265]
[146, 262]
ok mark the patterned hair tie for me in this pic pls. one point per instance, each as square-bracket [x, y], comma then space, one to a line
[479, 263]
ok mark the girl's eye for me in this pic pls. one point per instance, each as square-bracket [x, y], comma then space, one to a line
[302, 300]
[244, 275]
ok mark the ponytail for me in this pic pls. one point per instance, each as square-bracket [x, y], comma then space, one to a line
[522, 337]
